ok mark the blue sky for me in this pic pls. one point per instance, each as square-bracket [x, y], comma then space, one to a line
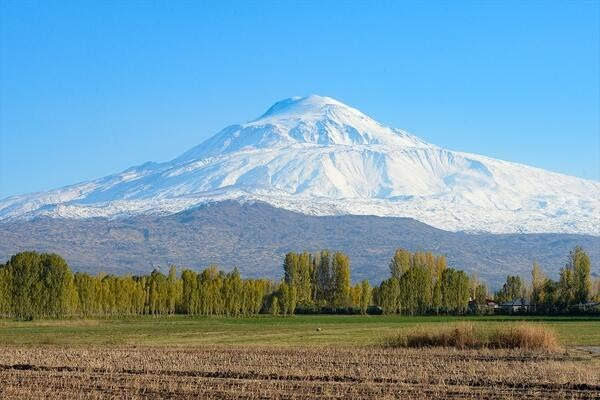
[91, 88]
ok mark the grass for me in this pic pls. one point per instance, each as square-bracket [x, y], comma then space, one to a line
[335, 330]
[522, 335]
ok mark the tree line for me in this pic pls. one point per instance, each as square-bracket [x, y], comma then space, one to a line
[34, 285]
[421, 283]
[574, 290]
[321, 280]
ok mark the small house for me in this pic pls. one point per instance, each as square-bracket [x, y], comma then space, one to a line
[515, 306]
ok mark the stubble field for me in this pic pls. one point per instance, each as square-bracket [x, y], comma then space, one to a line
[295, 358]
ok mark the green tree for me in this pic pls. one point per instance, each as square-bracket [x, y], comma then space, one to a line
[288, 298]
[455, 291]
[538, 280]
[5, 291]
[596, 290]
[174, 290]
[232, 293]
[436, 296]
[290, 268]
[298, 273]
[340, 280]
[579, 263]
[274, 309]
[400, 263]
[323, 278]
[41, 285]
[388, 296]
[550, 295]
[303, 281]
[566, 288]
[210, 289]
[512, 290]
[480, 297]
[416, 289]
[365, 296]
[190, 295]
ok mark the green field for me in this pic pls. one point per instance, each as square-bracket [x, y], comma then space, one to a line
[311, 330]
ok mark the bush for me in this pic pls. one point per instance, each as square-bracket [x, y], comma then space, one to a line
[460, 336]
[467, 336]
[524, 336]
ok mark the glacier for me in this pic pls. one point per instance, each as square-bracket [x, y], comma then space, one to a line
[318, 156]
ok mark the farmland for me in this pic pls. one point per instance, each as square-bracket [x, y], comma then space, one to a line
[284, 357]
[274, 372]
[334, 330]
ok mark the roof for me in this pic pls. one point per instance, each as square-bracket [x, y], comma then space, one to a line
[515, 303]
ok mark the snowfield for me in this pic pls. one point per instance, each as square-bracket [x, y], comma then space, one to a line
[318, 156]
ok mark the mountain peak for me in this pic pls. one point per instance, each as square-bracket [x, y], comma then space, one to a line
[302, 105]
[307, 121]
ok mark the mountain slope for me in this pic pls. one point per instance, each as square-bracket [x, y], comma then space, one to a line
[318, 156]
[256, 236]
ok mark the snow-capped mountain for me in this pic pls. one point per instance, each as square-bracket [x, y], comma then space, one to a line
[319, 156]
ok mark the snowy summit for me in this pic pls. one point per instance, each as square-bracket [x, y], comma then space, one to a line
[319, 156]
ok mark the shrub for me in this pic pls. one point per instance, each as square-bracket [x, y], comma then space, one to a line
[468, 336]
[524, 336]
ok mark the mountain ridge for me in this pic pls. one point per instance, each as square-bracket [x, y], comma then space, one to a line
[255, 236]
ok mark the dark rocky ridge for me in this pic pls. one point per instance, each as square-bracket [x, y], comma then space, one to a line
[255, 236]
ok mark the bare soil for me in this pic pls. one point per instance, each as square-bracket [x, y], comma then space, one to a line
[219, 372]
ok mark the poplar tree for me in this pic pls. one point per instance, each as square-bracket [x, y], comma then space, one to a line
[551, 293]
[538, 279]
[355, 293]
[436, 296]
[5, 289]
[579, 262]
[512, 289]
[455, 291]
[290, 268]
[340, 280]
[365, 296]
[388, 296]
[400, 263]
[416, 290]
[287, 300]
[304, 279]
[232, 293]
[274, 309]
[480, 296]
[41, 285]
[323, 278]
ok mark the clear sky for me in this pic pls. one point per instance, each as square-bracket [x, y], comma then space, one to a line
[91, 88]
